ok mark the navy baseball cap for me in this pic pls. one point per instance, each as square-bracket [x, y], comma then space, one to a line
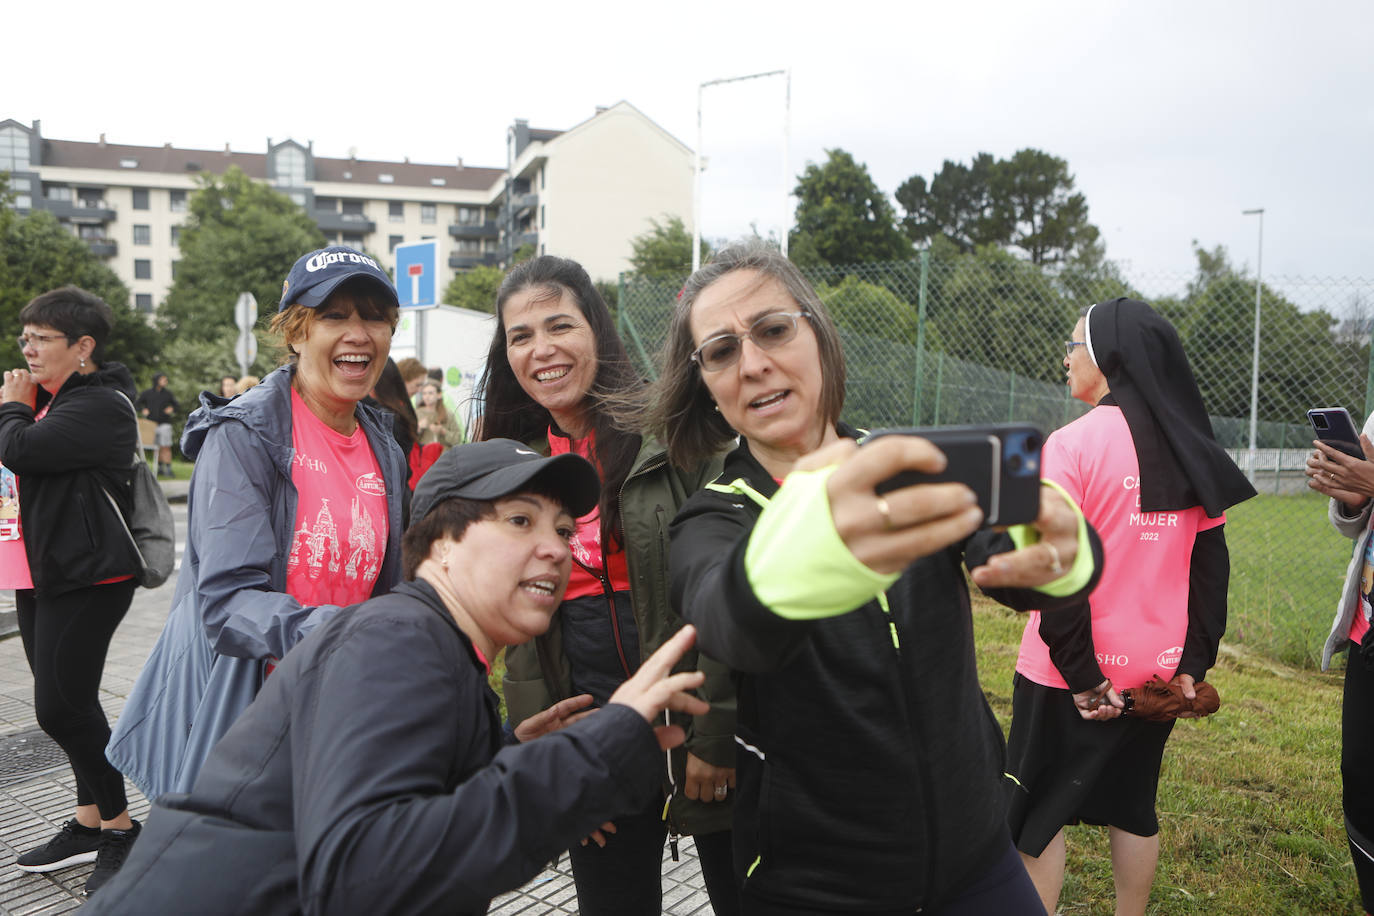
[317, 274]
[500, 467]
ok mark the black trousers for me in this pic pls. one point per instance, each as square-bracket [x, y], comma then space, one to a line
[1357, 771]
[625, 878]
[65, 638]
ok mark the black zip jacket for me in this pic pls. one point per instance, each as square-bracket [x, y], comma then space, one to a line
[369, 777]
[870, 774]
[85, 443]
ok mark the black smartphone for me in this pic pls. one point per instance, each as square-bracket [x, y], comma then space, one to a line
[1333, 427]
[1000, 463]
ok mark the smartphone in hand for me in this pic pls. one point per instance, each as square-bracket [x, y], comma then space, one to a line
[1333, 427]
[1000, 463]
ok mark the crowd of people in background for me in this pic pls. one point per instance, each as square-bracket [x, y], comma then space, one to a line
[717, 619]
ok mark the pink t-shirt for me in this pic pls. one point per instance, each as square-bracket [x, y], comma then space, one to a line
[1140, 608]
[341, 515]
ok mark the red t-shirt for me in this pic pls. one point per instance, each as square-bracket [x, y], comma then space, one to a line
[341, 513]
[586, 544]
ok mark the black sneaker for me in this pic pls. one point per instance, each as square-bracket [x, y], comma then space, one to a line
[114, 849]
[73, 845]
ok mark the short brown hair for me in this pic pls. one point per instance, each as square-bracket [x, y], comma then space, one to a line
[679, 410]
[292, 324]
[411, 369]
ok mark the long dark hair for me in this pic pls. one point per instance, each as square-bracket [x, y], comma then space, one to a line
[509, 413]
[390, 392]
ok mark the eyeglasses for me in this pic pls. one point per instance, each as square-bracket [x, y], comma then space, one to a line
[37, 340]
[1070, 344]
[767, 332]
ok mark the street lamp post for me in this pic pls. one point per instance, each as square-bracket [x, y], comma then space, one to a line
[696, 159]
[1254, 369]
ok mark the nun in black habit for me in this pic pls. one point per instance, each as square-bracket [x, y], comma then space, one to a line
[1152, 479]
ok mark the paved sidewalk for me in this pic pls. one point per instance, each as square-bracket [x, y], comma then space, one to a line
[37, 793]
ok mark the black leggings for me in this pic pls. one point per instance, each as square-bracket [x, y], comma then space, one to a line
[1357, 765]
[624, 878]
[65, 638]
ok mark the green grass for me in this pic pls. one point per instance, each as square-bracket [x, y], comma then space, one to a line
[1287, 566]
[1249, 798]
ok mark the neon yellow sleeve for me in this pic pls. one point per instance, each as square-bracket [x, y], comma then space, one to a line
[1082, 570]
[796, 562]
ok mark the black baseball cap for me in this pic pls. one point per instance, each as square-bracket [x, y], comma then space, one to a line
[500, 467]
[317, 274]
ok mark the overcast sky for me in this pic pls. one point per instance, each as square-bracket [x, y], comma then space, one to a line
[1173, 116]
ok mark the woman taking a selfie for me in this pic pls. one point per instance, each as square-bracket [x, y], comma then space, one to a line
[869, 762]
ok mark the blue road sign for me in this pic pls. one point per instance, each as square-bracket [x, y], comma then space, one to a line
[417, 274]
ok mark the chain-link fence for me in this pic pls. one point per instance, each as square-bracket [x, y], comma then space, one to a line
[980, 338]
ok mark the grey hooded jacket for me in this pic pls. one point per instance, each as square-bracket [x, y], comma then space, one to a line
[230, 612]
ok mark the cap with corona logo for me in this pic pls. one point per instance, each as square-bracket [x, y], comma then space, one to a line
[317, 274]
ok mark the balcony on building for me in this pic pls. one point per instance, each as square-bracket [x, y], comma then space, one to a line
[473, 259]
[474, 230]
[527, 238]
[86, 211]
[524, 204]
[102, 248]
[334, 221]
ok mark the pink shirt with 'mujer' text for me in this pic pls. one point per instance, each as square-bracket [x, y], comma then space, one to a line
[341, 514]
[1140, 608]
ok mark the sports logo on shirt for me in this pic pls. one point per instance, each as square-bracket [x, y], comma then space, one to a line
[371, 483]
[1170, 658]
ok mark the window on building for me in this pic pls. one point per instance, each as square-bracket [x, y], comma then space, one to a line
[14, 150]
[289, 165]
[91, 233]
[470, 216]
[386, 178]
[353, 210]
[143, 235]
[140, 198]
[57, 192]
[396, 211]
[298, 198]
[353, 241]
[330, 204]
[470, 246]
[91, 198]
[541, 216]
[23, 199]
[176, 235]
[178, 200]
[428, 213]
[127, 163]
[143, 302]
[143, 270]
[393, 240]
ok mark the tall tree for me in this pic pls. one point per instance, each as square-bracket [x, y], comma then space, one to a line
[475, 288]
[842, 217]
[1026, 202]
[959, 205]
[665, 248]
[242, 236]
[37, 254]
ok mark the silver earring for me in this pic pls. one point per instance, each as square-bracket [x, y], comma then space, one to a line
[83, 362]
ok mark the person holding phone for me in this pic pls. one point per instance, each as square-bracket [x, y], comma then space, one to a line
[1150, 476]
[1349, 482]
[868, 759]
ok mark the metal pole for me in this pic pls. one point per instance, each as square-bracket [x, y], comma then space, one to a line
[1254, 370]
[696, 182]
[696, 190]
[786, 166]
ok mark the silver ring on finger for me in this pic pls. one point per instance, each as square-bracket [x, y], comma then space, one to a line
[1056, 566]
[721, 790]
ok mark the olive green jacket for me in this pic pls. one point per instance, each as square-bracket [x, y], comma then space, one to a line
[537, 672]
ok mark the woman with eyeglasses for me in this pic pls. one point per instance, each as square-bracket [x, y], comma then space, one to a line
[68, 433]
[870, 765]
[556, 370]
[1151, 478]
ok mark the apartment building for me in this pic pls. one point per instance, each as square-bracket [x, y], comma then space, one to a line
[582, 193]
